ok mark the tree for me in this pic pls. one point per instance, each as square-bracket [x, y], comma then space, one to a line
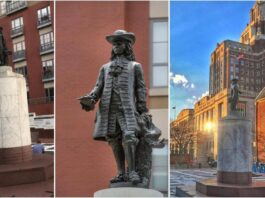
[183, 135]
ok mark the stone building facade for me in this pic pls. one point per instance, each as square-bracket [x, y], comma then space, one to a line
[244, 60]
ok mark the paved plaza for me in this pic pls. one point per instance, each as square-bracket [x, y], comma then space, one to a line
[183, 181]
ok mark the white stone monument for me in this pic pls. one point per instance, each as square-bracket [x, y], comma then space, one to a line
[234, 164]
[15, 138]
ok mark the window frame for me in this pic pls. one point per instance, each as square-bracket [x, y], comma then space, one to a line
[152, 65]
[23, 46]
[40, 15]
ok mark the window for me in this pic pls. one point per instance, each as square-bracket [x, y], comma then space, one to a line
[159, 57]
[17, 26]
[46, 41]
[3, 7]
[14, 5]
[44, 15]
[49, 94]
[17, 23]
[20, 46]
[19, 51]
[48, 71]
[46, 38]
[48, 63]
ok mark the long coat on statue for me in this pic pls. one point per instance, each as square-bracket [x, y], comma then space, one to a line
[132, 94]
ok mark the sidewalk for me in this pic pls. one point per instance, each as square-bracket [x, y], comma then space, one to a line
[38, 189]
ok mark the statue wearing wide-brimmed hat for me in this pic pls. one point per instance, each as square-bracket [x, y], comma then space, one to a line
[234, 94]
[3, 49]
[122, 118]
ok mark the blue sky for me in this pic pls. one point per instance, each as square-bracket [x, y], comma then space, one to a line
[195, 29]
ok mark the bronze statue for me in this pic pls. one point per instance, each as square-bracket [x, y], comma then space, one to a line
[3, 50]
[234, 94]
[122, 118]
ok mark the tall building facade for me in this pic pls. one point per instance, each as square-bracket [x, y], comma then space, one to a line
[81, 51]
[245, 61]
[28, 30]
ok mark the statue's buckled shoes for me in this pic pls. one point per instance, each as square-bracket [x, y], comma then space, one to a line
[134, 177]
[118, 178]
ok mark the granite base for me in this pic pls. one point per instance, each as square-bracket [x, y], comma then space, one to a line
[40, 168]
[211, 187]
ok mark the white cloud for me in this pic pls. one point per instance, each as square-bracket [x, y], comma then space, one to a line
[181, 80]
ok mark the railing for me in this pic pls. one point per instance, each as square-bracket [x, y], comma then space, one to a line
[17, 31]
[48, 73]
[45, 20]
[19, 55]
[43, 100]
[46, 47]
[15, 6]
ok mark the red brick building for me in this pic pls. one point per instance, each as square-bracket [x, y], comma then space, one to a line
[28, 30]
[260, 125]
[83, 165]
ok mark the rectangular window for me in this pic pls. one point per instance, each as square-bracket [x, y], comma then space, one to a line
[159, 55]
[48, 70]
[17, 26]
[47, 63]
[20, 46]
[46, 38]
[49, 94]
[3, 7]
[14, 5]
[46, 41]
[44, 15]
[17, 23]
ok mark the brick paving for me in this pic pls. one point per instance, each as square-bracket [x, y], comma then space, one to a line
[39, 189]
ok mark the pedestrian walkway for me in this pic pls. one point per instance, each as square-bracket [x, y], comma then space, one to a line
[183, 181]
[39, 189]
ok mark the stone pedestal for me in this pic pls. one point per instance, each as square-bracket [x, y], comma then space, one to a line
[15, 144]
[234, 174]
[234, 163]
[17, 164]
[127, 192]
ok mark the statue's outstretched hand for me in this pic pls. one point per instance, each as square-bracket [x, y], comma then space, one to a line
[87, 103]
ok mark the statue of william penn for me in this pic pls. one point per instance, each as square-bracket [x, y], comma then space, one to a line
[122, 118]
